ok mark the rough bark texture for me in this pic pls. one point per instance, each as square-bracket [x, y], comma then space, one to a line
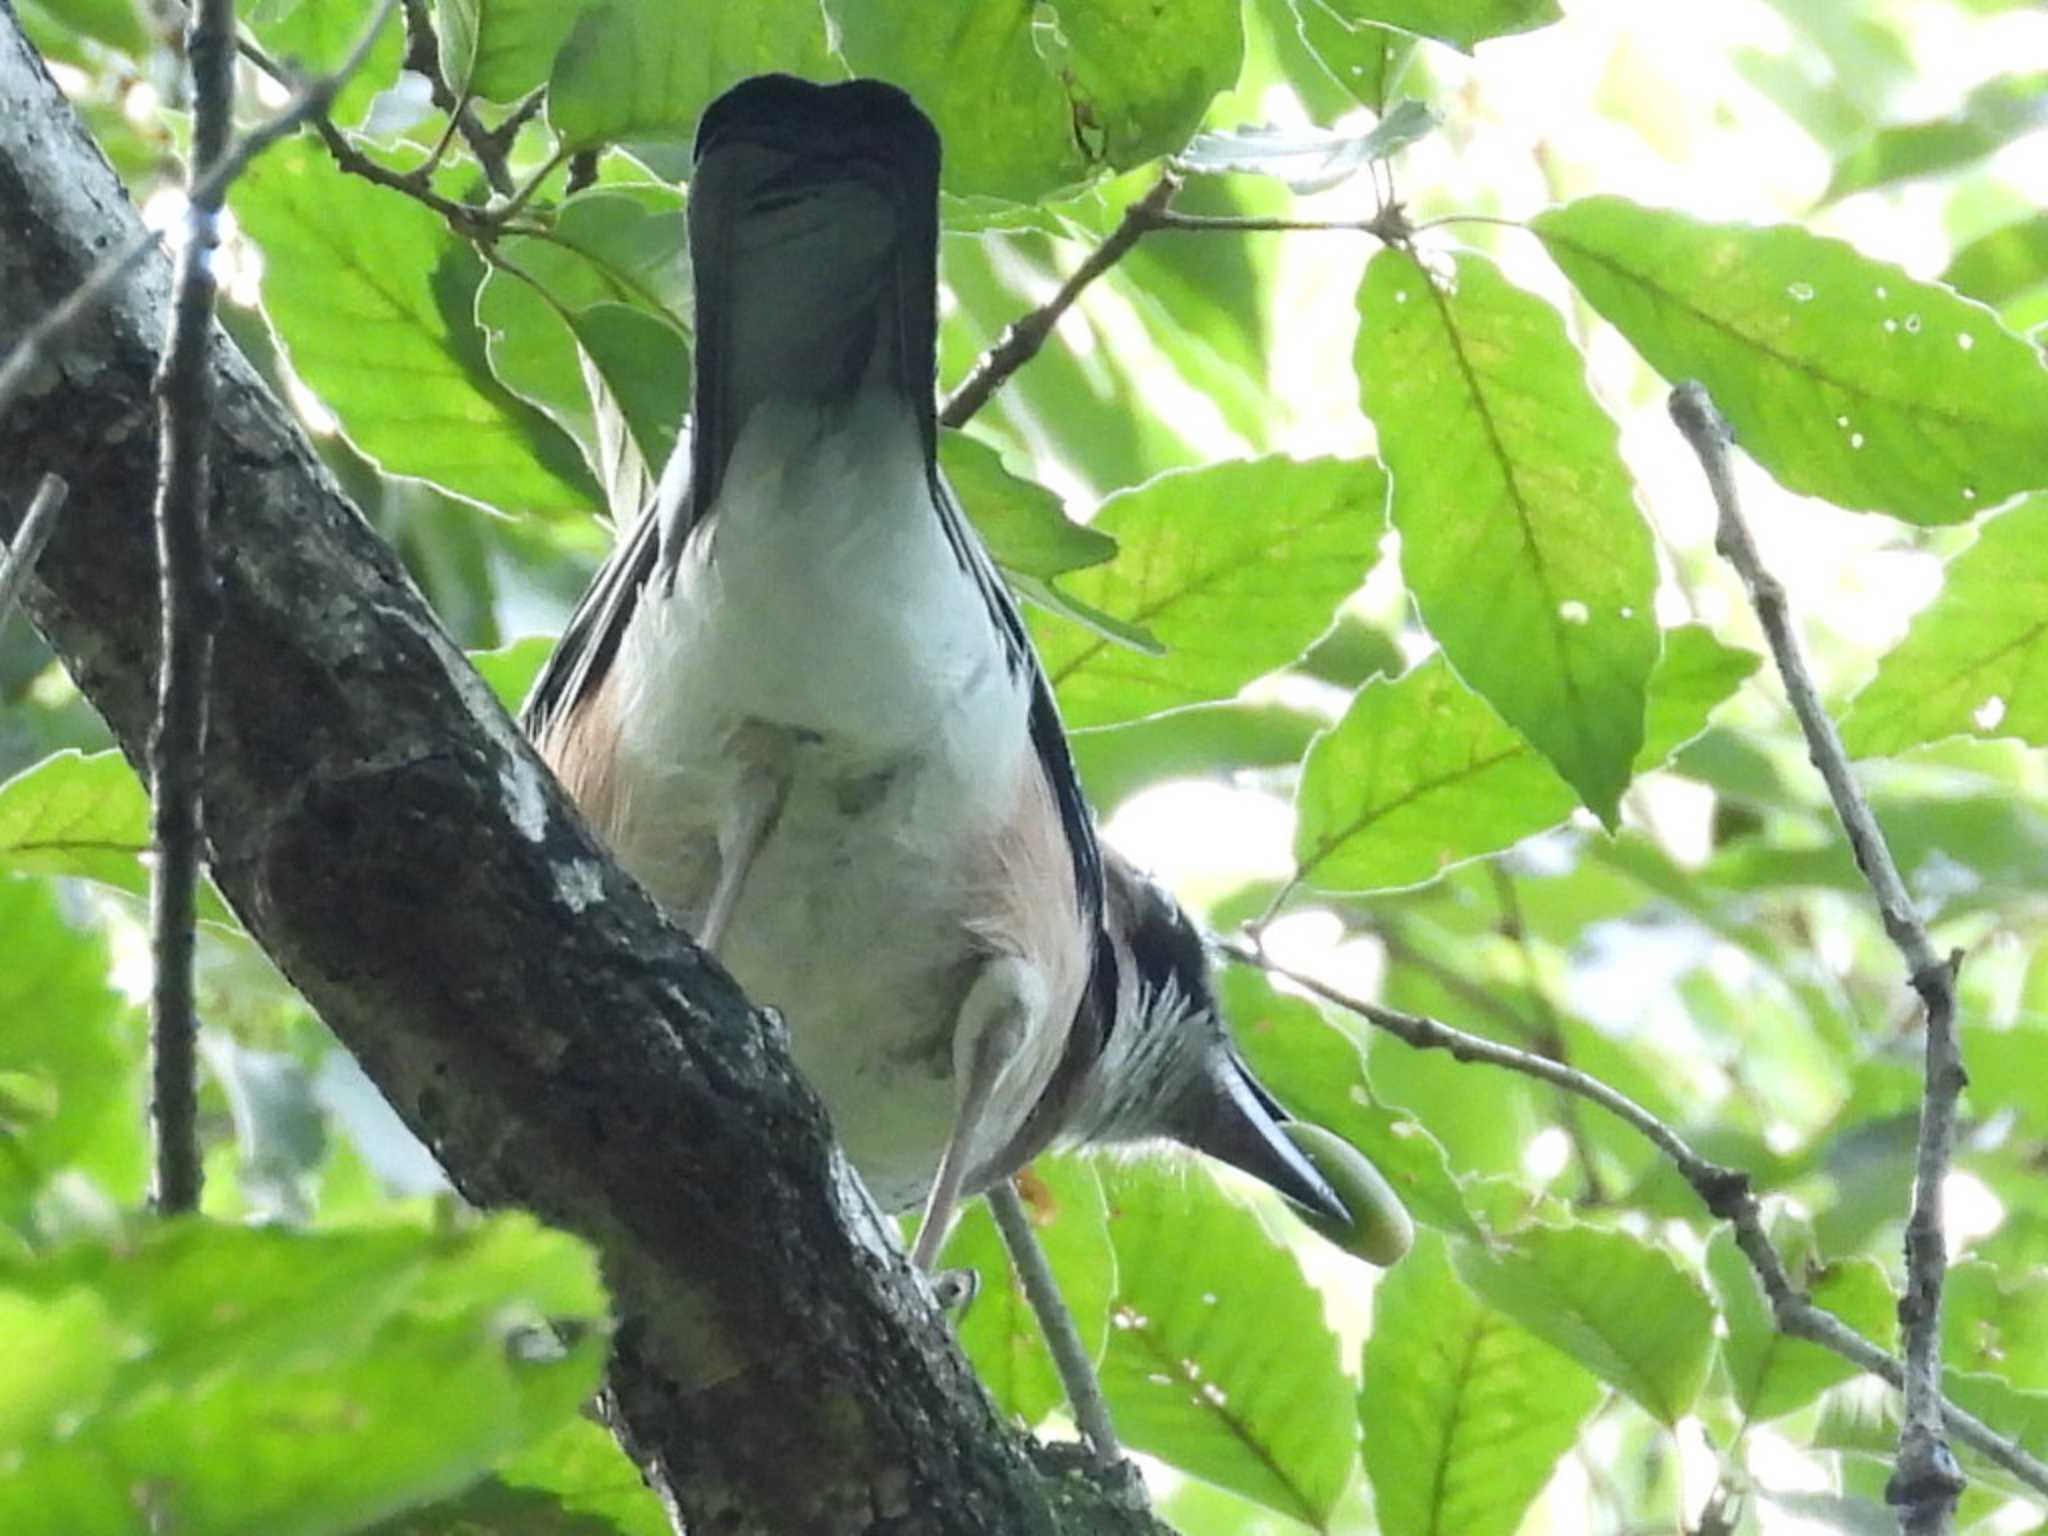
[391, 841]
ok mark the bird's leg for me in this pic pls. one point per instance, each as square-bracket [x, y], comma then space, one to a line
[1069, 1354]
[994, 1023]
[754, 812]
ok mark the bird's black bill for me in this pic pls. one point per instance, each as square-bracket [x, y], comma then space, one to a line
[1242, 1128]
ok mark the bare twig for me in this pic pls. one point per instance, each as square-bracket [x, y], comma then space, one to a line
[1724, 1191]
[177, 747]
[1926, 1482]
[423, 57]
[309, 105]
[1020, 343]
[18, 558]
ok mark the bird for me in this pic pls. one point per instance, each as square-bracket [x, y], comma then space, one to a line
[801, 706]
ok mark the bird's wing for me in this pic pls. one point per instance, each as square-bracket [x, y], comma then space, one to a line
[584, 655]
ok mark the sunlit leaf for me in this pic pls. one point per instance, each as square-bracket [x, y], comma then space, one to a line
[647, 69]
[1219, 1362]
[1023, 523]
[1520, 536]
[1975, 661]
[316, 36]
[1235, 568]
[501, 49]
[1841, 375]
[1771, 1373]
[1029, 100]
[375, 318]
[1465, 1413]
[2004, 264]
[1993, 115]
[1461, 23]
[1623, 1308]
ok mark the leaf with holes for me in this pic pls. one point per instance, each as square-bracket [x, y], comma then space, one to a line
[1520, 536]
[1219, 1361]
[1465, 1413]
[1235, 568]
[1841, 375]
[1975, 661]
[1623, 1308]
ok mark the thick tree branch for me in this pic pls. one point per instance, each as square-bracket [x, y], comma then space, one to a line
[1724, 1191]
[392, 842]
[1926, 1482]
[177, 743]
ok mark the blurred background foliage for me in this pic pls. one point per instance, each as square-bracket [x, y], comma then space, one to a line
[1382, 598]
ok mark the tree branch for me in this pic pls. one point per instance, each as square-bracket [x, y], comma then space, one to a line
[1724, 1191]
[393, 843]
[1926, 1482]
[1020, 343]
[177, 744]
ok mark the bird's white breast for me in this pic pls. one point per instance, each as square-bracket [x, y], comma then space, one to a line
[821, 630]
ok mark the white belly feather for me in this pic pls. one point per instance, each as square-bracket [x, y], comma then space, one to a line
[820, 632]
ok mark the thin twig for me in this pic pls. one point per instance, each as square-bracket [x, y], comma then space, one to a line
[1069, 1354]
[1724, 1191]
[1926, 1482]
[185, 602]
[1020, 343]
[19, 556]
[310, 104]
[423, 57]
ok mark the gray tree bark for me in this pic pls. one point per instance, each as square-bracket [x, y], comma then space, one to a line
[390, 840]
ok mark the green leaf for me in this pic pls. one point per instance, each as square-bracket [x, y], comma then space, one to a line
[1975, 661]
[1623, 1308]
[1841, 375]
[1000, 1333]
[1993, 115]
[316, 36]
[1461, 23]
[647, 69]
[1115, 762]
[502, 49]
[1024, 524]
[277, 1382]
[1999, 267]
[61, 1354]
[78, 815]
[1362, 57]
[1695, 675]
[587, 322]
[511, 669]
[74, 1065]
[1419, 775]
[1771, 1373]
[1990, 1326]
[376, 320]
[1032, 99]
[1317, 1072]
[1219, 1360]
[1236, 567]
[584, 1471]
[1520, 536]
[117, 23]
[1465, 1414]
